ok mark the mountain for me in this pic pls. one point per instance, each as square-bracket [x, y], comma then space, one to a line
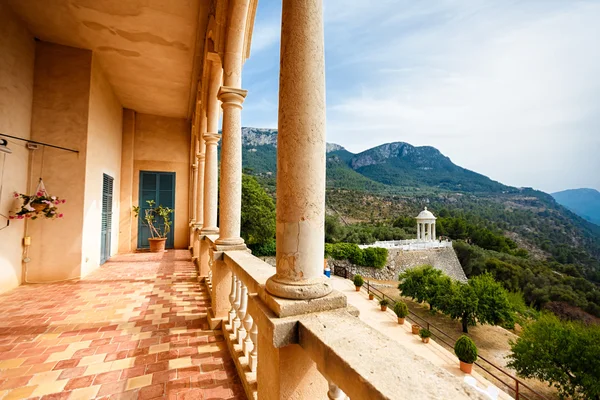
[583, 202]
[398, 179]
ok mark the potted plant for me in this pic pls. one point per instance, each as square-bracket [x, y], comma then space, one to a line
[425, 335]
[153, 217]
[401, 310]
[371, 296]
[466, 351]
[38, 205]
[384, 303]
[415, 329]
[358, 282]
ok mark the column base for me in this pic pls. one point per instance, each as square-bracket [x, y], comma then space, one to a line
[210, 230]
[230, 241]
[298, 290]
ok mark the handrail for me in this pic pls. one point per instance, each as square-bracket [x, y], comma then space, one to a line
[518, 383]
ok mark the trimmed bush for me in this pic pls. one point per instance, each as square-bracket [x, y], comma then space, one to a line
[369, 257]
[384, 302]
[425, 333]
[401, 309]
[358, 281]
[465, 349]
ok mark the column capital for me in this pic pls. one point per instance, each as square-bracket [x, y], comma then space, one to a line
[231, 96]
[211, 138]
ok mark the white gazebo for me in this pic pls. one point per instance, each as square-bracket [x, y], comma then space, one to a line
[426, 226]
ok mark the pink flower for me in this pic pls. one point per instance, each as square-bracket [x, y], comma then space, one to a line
[20, 217]
[15, 195]
[60, 215]
[64, 201]
[39, 194]
[11, 217]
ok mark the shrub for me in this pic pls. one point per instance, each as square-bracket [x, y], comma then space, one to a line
[265, 249]
[369, 257]
[425, 333]
[384, 302]
[358, 281]
[401, 309]
[465, 349]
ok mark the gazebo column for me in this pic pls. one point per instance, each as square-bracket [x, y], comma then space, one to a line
[418, 230]
[434, 237]
[430, 231]
[301, 155]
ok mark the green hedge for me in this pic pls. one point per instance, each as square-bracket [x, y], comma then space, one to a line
[265, 249]
[369, 257]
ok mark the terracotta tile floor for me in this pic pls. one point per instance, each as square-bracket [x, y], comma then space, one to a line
[136, 328]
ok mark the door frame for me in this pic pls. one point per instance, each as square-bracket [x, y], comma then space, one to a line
[170, 244]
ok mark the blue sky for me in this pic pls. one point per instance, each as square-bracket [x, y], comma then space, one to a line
[510, 89]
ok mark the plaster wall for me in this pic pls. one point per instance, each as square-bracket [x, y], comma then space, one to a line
[163, 144]
[103, 157]
[16, 93]
[60, 117]
[126, 220]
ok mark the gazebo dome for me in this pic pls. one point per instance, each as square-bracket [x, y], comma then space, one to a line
[425, 215]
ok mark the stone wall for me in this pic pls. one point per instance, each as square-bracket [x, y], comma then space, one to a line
[398, 261]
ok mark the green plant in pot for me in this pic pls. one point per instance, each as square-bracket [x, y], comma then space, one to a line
[425, 334]
[157, 219]
[358, 282]
[401, 311]
[384, 303]
[466, 351]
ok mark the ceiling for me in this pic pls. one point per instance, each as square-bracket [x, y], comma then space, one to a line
[149, 49]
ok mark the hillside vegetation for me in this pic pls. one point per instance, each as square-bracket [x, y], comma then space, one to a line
[528, 241]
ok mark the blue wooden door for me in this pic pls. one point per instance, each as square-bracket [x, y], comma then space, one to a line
[106, 229]
[160, 187]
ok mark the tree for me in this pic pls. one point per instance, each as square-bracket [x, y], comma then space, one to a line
[481, 300]
[421, 283]
[258, 212]
[565, 354]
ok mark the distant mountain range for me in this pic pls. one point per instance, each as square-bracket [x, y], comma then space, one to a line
[396, 179]
[583, 202]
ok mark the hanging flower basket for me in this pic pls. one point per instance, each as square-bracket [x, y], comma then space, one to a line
[38, 205]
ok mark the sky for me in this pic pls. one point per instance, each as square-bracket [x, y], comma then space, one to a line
[506, 88]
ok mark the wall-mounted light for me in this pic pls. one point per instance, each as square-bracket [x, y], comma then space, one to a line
[4, 146]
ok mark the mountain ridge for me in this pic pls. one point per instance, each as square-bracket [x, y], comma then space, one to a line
[584, 202]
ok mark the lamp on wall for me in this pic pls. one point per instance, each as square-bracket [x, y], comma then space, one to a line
[3, 146]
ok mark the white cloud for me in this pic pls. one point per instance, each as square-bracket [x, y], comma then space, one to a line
[511, 91]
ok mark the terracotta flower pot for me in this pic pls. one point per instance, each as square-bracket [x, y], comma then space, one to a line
[371, 296]
[383, 308]
[39, 206]
[400, 321]
[425, 339]
[415, 329]
[357, 288]
[465, 367]
[157, 245]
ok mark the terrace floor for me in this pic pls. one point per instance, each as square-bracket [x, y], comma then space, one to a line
[135, 328]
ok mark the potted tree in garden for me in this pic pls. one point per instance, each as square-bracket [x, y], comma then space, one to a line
[384, 303]
[401, 310]
[466, 351]
[154, 217]
[425, 335]
[358, 282]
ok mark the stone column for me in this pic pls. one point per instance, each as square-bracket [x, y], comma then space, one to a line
[230, 200]
[430, 231]
[434, 237]
[418, 230]
[301, 155]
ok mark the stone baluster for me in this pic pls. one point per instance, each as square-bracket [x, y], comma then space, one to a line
[247, 324]
[232, 297]
[236, 305]
[242, 311]
[335, 393]
[253, 357]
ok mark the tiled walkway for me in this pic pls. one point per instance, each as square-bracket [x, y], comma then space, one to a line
[136, 328]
